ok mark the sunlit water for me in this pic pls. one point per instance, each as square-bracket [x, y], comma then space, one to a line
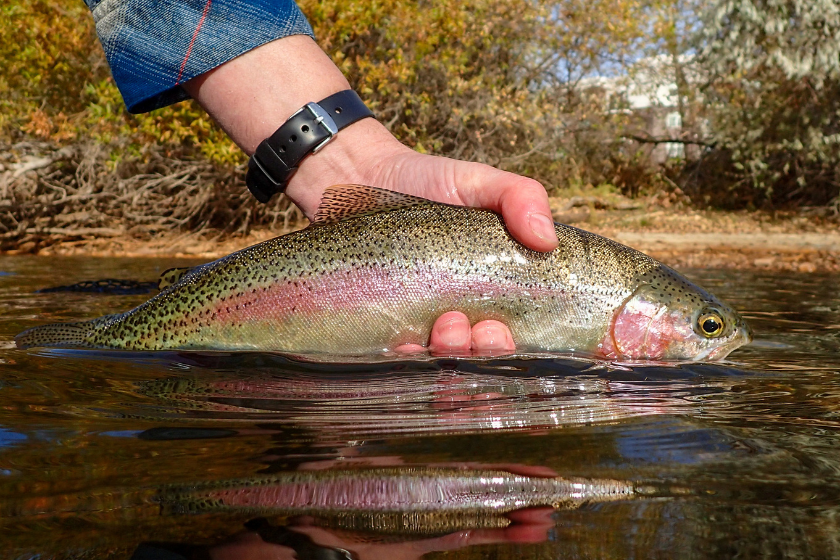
[107, 454]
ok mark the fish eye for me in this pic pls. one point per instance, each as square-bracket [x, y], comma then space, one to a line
[711, 324]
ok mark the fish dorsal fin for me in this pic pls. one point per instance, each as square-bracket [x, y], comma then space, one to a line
[342, 202]
[172, 275]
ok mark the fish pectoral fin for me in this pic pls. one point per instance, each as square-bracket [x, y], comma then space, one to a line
[342, 202]
[172, 275]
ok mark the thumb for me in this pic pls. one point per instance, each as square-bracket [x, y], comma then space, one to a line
[523, 204]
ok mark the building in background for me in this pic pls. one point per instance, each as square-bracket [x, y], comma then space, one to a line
[648, 94]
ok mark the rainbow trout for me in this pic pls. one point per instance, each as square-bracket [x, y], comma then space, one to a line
[376, 268]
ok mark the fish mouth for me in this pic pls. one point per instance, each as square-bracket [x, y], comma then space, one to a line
[714, 354]
[746, 332]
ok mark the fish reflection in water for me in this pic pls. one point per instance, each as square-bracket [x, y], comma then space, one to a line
[365, 512]
[434, 504]
[426, 397]
[423, 508]
[304, 539]
[400, 499]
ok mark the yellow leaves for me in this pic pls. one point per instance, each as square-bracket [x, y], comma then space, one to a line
[475, 79]
[46, 52]
[39, 125]
[57, 128]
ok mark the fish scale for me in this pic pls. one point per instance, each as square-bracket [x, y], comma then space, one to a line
[375, 270]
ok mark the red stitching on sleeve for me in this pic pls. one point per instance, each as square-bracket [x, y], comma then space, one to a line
[192, 41]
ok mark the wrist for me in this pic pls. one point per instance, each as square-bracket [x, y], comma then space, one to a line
[308, 131]
[253, 94]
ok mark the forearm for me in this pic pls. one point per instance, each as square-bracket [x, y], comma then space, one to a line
[253, 94]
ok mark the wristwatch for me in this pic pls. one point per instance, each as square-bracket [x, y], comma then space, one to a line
[307, 131]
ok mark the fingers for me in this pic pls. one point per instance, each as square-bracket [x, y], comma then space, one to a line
[410, 349]
[452, 336]
[492, 337]
[523, 204]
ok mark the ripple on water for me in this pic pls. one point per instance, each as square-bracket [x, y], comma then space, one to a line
[410, 397]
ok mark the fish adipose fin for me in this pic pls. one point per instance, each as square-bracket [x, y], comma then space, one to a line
[173, 275]
[61, 334]
[342, 202]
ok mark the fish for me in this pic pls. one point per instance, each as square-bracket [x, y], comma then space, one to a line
[433, 498]
[375, 269]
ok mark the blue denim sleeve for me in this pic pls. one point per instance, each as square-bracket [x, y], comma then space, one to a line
[154, 46]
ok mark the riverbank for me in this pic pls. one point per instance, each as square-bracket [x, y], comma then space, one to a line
[675, 233]
[804, 241]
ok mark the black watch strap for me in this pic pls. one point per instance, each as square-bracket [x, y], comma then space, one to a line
[307, 131]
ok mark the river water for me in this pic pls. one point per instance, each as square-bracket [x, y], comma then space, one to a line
[197, 455]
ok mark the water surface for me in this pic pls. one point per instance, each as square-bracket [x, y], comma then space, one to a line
[114, 454]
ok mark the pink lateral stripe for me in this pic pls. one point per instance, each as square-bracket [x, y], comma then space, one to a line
[192, 41]
[339, 292]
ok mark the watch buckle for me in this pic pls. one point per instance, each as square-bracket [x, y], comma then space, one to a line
[324, 119]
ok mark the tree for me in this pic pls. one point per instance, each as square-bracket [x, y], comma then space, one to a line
[774, 88]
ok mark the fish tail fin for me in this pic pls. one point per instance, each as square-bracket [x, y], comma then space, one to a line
[61, 334]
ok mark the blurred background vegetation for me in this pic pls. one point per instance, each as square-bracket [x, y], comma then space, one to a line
[733, 103]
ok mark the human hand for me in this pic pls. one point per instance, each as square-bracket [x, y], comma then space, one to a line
[367, 154]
